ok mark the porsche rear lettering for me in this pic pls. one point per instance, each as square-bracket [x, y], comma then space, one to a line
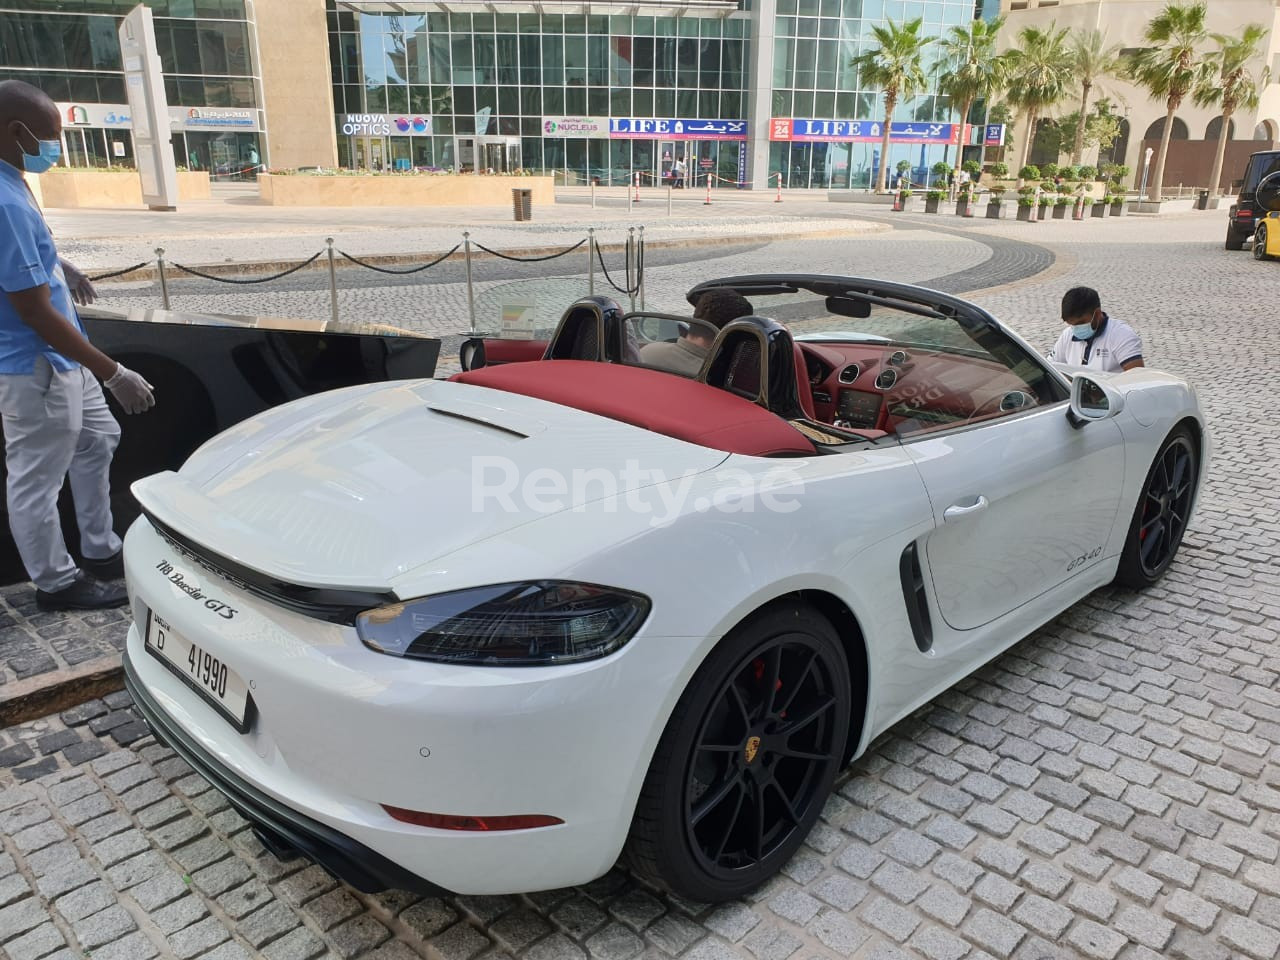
[175, 577]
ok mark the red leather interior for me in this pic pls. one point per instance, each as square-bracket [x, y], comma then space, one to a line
[513, 351]
[803, 389]
[652, 399]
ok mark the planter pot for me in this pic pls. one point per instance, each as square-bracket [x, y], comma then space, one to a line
[963, 209]
[1098, 210]
[931, 206]
[906, 205]
[1117, 209]
[1044, 212]
[995, 210]
[1060, 211]
[1024, 214]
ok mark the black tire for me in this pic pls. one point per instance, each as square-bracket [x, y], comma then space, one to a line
[1163, 508]
[1233, 242]
[1260, 243]
[727, 741]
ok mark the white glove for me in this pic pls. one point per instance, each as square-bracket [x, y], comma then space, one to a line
[133, 392]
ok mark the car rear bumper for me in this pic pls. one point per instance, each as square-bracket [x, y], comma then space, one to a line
[281, 828]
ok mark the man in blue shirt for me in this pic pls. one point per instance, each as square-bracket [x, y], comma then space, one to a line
[56, 421]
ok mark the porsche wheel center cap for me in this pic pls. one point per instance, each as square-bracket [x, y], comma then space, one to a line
[751, 749]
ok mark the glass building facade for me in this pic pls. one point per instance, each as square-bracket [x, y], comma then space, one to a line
[70, 49]
[417, 87]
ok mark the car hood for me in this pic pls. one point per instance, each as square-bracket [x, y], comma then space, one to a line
[357, 487]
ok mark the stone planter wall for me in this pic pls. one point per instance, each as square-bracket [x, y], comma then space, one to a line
[83, 188]
[463, 190]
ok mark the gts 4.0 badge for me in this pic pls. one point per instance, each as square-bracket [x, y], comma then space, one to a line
[175, 577]
[1084, 558]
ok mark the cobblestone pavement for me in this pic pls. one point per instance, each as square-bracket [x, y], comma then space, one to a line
[1107, 789]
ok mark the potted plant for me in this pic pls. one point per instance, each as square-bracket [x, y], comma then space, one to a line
[995, 203]
[1067, 173]
[904, 198]
[1117, 205]
[1026, 207]
[1099, 206]
[1045, 201]
[999, 170]
[1087, 174]
[1060, 203]
[964, 200]
[1049, 171]
[1029, 172]
[932, 199]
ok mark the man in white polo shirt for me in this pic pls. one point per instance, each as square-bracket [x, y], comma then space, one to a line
[1093, 339]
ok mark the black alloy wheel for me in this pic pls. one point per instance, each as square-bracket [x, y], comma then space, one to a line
[747, 759]
[1260, 243]
[1160, 519]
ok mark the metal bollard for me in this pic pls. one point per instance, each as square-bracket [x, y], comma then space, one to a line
[640, 266]
[333, 282]
[629, 200]
[668, 200]
[471, 293]
[164, 283]
[591, 261]
[593, 193]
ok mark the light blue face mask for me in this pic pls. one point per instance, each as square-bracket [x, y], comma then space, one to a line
[1082, 331]
[50, 153]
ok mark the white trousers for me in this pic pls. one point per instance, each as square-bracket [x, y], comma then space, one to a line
[57, 424]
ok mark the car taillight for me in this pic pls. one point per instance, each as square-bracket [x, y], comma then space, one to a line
[1244, 213]
[446, 821]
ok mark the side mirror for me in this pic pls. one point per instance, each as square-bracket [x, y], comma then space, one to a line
[1092, 400]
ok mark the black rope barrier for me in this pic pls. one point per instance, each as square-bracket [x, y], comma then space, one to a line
[552, 256]
[118, 273]
[209, 276]
[400, 273]
[625, 291]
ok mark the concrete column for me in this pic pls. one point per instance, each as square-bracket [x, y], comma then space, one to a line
[764, 16]
[297, 90]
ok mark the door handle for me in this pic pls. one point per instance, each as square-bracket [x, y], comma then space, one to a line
[958, 511]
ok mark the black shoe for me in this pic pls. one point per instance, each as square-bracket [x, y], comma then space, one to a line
[111, 568]
[83, 594]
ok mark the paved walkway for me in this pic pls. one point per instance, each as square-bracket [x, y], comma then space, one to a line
[1108, 788]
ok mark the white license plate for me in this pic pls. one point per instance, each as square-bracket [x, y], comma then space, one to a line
[204, 673]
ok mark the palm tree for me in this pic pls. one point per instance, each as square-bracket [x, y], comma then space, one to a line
[1233, 86]
[969, 67]
[895, 67]
[1039, 72]
[1170, 67]
[1092, 59]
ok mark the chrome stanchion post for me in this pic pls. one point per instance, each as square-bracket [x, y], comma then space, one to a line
[591, 260]
[333, 281]
[668, 200]
[593, 193]
[164, 283]
[629, 200]
[471, 293]
[631, 247]
[640, 267]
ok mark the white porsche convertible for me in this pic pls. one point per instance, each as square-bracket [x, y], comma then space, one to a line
[487, 634]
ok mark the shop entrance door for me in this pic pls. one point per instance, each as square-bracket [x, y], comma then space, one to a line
[370, 153]
[489, 154]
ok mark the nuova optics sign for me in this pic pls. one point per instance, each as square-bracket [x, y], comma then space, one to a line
[367, 125]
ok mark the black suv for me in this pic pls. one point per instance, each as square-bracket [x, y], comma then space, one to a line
[1244, 212]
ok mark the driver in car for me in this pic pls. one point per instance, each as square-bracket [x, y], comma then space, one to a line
[1092, 338]
[715, 308]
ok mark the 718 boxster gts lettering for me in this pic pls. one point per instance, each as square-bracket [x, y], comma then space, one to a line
[694, 602]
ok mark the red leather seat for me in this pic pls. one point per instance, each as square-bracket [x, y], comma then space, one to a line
[803, 390]
[662, 402]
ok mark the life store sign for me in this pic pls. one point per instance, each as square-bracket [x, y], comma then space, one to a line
[861, 131]
[649, 128]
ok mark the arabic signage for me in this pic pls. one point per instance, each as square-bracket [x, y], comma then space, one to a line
[645, 128]
[94, 115]
[213, 118]
[593, 128]
[861, 131]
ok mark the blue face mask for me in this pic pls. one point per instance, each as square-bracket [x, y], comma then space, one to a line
[50, 153]
[1082, 331]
